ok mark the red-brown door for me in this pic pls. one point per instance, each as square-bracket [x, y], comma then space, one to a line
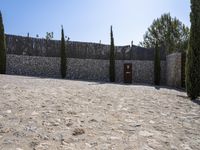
[127, 73]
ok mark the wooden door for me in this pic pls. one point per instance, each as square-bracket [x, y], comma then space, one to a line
[128, 73]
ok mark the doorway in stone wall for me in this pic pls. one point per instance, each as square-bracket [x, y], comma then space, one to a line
[128, 73]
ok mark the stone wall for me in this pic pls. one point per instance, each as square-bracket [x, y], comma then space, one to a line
[33, 66]
[82, 69]
[87, 61]
[142, 71]
[173, 74]
[88, 69]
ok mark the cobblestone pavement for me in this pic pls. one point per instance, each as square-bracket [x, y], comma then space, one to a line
[50, 114]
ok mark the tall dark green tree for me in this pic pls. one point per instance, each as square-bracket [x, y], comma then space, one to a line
[157, 65]
[63, 64]
[112, 57]
[2, 47]
[193, 53]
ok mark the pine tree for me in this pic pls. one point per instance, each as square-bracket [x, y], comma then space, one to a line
[169, 33]
[157, 65]
[193, 53]
[63, 67]
[112, 58]
[2, 47]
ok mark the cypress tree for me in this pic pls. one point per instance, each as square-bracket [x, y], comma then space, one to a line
[112, 58]
[157, 65]
[193, 53]
[2, 47]
[63, 56]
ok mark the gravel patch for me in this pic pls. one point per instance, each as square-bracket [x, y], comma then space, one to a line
[50, 114]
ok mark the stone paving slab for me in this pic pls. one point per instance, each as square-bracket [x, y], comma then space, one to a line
[50, 114]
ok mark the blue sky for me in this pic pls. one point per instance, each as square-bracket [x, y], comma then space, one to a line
[89, 20]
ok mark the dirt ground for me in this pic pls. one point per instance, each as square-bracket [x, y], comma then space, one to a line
[51, 114]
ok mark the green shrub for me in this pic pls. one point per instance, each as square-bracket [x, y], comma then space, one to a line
[193, 53]
[2, 47]
[157, 66]
[112, 58]
[63, 67]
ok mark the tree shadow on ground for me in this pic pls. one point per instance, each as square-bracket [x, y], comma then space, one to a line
[196, 101]
[97, 82]
[157, 87]
[168, 87]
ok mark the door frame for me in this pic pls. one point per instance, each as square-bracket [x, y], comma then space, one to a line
[128, 73]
